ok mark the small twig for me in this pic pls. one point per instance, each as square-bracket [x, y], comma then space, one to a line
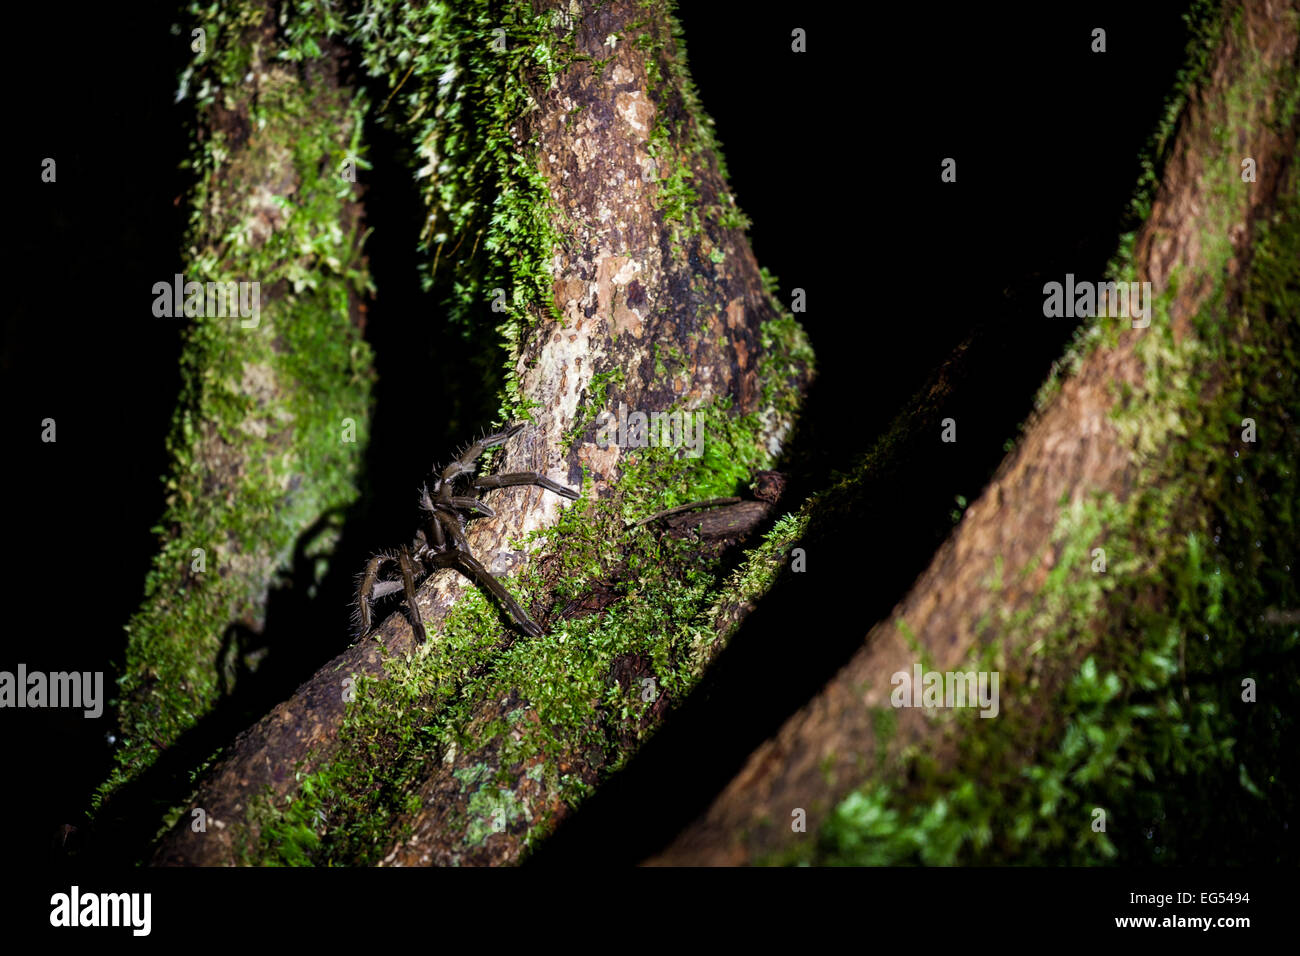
[398, 87]
[692, 506]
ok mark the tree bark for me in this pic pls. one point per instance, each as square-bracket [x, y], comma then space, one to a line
[638, 277]
[986, 595]
[260, 461]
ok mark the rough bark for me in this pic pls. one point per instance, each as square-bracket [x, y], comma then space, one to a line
[259, 471]
[633, 274]
[626, 289]
[1071, 452]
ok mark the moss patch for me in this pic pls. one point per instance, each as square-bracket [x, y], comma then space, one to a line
[527, 728]
[1152, 728]
[462, 75]
[256, 444]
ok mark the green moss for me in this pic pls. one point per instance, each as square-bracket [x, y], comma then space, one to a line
[665, 613]
[1151, 727]
[1204, 22]
[594, 401]
[255, 446]
[569, 707]
[458, 97]
[683, 139]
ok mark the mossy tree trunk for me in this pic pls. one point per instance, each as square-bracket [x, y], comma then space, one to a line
[576, 197]
[263, 456]
[1127, 568]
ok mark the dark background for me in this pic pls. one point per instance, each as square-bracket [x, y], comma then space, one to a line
[833, 154]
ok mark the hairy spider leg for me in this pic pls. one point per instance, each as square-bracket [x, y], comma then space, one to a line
[525, 478]
[370, 588]
[365, 593]
[468, 565]
[434, 538]
[473, 504]
[439, 540]
[408, 584]
[459, 557]
[464, 463]
[471, 452]
[453, 523]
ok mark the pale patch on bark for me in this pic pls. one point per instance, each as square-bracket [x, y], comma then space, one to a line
[635, 110]
[259, 383]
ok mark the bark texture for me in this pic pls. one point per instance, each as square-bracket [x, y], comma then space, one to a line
[637, 274]
[260, 470]
[1073, 451]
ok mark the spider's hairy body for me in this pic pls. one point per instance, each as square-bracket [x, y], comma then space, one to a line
[441, 543]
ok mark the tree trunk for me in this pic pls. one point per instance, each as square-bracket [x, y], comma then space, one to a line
[1142, 453]
[617, 254]
[263, 459]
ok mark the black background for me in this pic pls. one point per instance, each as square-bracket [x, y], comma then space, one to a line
[834, 155]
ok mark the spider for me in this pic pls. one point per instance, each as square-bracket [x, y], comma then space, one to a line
[441, 542]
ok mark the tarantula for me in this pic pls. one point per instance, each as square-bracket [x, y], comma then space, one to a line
[441, 542]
